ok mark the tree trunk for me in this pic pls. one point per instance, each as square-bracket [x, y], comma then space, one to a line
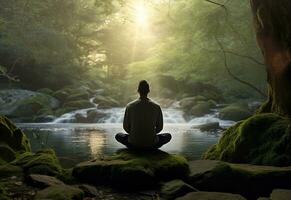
[272, 20]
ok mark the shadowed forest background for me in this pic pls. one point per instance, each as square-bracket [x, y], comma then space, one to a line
[183, 48]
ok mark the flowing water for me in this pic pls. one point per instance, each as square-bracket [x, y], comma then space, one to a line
[75, 142]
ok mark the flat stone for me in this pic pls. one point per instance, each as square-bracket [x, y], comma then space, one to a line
[90, 191]
[250, 181]
[280, 194]
[176, 188]
[263, 198]
[60, 192]
[199, 167]
[211, 196]
[43, 181]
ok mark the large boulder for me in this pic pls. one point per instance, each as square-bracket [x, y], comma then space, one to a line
[43, 162]
[13, 141]
[24, 105]
[250, 181]
[235, 112]
[263, 139]
[128, 166]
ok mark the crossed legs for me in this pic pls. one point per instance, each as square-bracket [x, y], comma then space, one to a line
[163, 139]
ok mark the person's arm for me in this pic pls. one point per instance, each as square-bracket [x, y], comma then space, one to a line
[160, 123]
[126, 121]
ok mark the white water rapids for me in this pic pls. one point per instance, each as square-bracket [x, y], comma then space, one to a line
[172, 115]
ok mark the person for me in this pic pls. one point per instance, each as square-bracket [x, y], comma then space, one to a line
[143, 121]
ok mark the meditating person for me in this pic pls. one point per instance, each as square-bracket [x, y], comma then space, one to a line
[143, 120]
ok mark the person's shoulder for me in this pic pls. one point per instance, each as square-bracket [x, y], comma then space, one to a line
[154, 103]
[132, 103]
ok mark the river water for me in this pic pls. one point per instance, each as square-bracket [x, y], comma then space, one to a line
[75, 142]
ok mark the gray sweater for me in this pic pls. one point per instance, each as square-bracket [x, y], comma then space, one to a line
[143, 120]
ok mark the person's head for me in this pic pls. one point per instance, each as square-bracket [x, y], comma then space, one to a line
[143, 88]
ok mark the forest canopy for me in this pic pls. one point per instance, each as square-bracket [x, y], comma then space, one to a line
[114, 44]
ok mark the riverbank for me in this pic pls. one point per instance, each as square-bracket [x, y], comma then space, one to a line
[129, 174]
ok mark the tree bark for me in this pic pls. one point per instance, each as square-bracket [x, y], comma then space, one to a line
[272, 20]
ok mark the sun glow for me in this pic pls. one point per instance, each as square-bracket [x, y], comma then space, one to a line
[141, 14]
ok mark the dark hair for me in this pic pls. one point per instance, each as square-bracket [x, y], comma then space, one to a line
[143, 87]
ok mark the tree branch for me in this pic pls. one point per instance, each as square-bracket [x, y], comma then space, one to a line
[234, 76]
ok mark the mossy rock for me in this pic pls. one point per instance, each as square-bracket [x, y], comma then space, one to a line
[263, 139]
[13, 140]
[189, 102]
[235, 112]
[42, 162]
[127, 166]
[9, 170]
[83, 95]
[78, 104]
[60, 192]
[61, 95]
[29, 107]
[201, 108]
[105, 102]
[250, 181]
[46, 91]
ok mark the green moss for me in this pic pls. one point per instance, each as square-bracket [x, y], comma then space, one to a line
[43, 162]
[8, 170]
[235, 112]
[3, 192]
[263, 139]
[13, 140]
[201, 108]
[129, 166]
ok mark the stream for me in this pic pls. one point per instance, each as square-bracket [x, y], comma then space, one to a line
[75, 142]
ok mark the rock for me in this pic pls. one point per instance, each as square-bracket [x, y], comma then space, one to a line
[44, 118]
[175, 188]
[263, 139]
[42, 162]
[200, 167]
[60, 192]
[105, 102]
[8, 170]
[280, 194]
[189, 102]
[24, 104]
[13, 140]
[46, 91]
[61, 95]
[263, 198]
[235, 112]
[93, 116]
[89, 191]
[211, 196]
[250, 181]
[129, 166]
[78, 104]
[79, 96]
[201, 108]
[43, 181]
[213, 126]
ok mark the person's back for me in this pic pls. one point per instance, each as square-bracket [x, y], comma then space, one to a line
[143, 120]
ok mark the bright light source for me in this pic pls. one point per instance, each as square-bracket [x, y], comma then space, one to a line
[141, 14]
